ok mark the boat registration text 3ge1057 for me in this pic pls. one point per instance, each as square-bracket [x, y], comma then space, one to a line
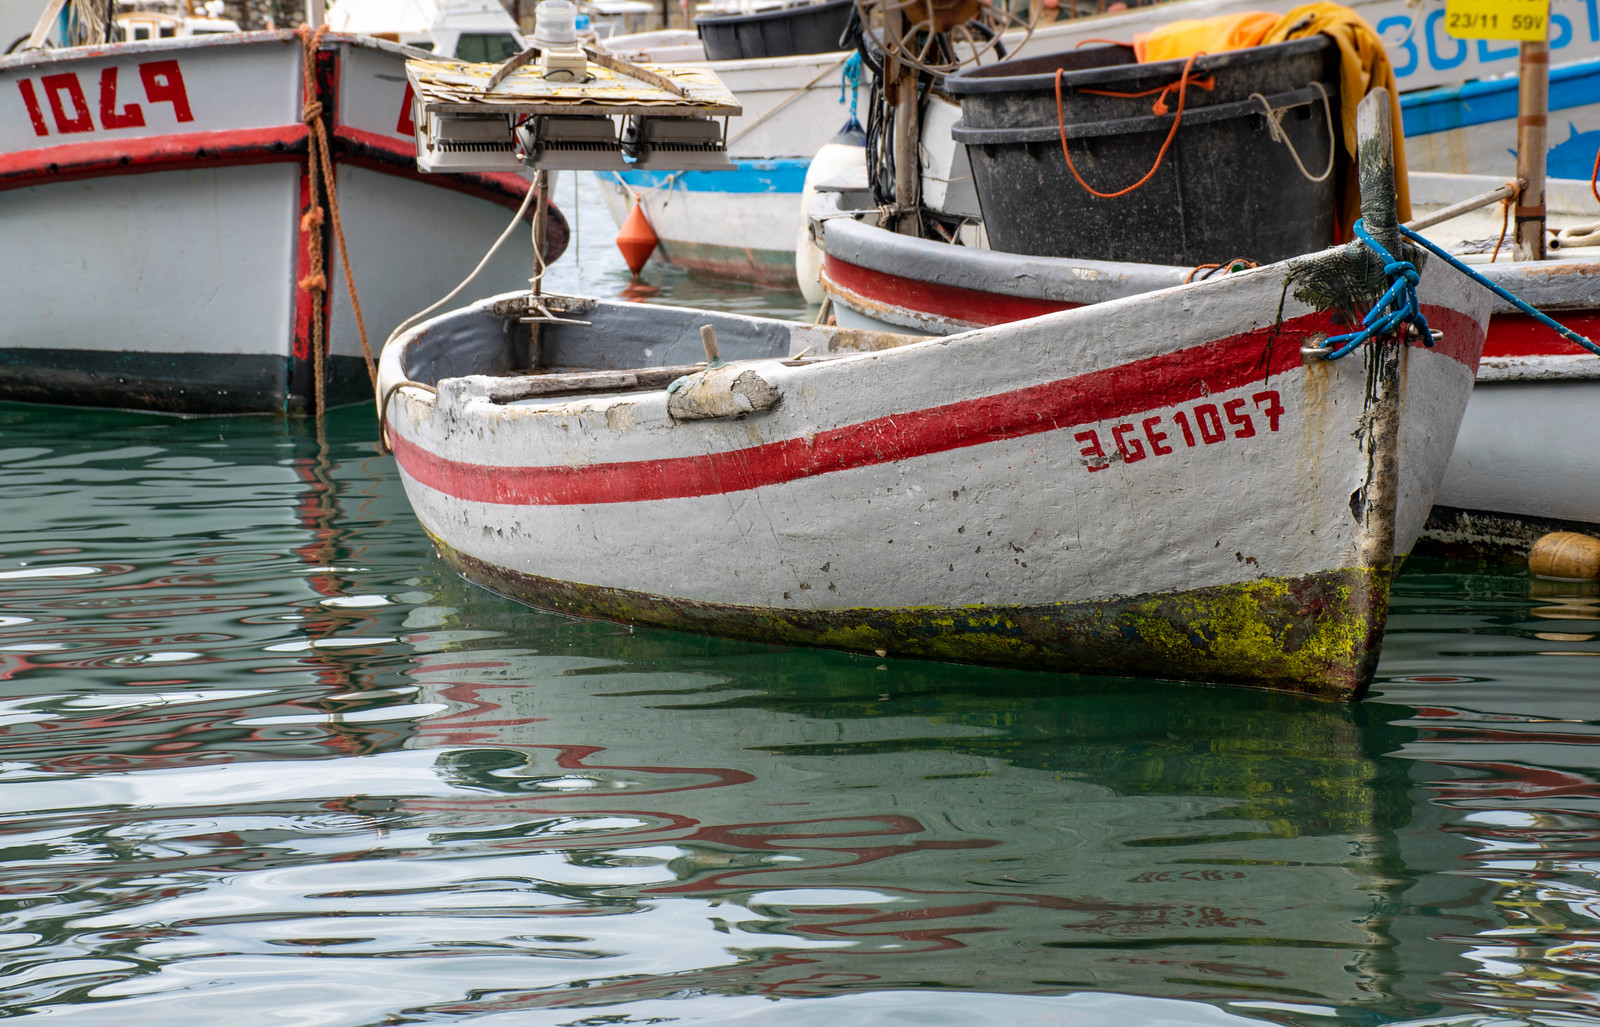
[68, 101]
[1201, 424]
[1497, 19]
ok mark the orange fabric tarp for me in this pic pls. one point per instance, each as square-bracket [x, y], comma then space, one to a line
[1363, 65]
[1179, 39]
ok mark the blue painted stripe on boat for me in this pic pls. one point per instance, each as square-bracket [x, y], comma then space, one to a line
[1484, 101]
[759, 176]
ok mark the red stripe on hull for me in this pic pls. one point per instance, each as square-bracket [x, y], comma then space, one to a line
[1518, 335]
[1510, 335]
[1116, 392]
[238, 147]
[951, 302]
[231, 147]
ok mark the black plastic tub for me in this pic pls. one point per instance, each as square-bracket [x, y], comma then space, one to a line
[1225, 188]
[786, 32]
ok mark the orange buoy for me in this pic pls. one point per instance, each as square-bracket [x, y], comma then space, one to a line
[1565, 554]
[637, 240]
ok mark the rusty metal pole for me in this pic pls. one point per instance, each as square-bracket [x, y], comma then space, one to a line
[1533, 107]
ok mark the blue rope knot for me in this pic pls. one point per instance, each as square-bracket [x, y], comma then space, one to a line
[1395, 310]
[850, 82]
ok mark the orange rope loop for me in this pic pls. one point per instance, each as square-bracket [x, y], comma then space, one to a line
[1505, 223]
[1594, 178]
[320, 171]
[1159, 109]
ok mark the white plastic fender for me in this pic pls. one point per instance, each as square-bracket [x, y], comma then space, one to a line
[833, 160]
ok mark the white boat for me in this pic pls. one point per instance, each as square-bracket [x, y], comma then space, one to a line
[1512, 477]
[742, 223]
[1174, 485]
[467, 30]
[141, 20]
[156, 251]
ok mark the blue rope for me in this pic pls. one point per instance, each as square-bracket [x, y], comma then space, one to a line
[1565, 332]
[850, 79]
[1397, 307]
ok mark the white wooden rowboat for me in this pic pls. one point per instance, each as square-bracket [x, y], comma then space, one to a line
[1164, 485]
[153, 244]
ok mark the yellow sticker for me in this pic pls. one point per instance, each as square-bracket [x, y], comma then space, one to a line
[1497, 19]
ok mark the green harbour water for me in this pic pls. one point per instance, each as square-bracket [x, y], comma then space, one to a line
[265, 760]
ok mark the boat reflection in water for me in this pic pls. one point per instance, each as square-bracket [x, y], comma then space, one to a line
[820, 826]
[260, 753]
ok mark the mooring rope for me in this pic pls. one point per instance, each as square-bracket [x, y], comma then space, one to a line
[321, 180]
[1537, 315]
[1396, 308]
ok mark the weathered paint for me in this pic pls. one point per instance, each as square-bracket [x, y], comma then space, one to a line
[1533, 386]
[176, 184]
[1473, 534]
[1163, 471]
[1319, 635]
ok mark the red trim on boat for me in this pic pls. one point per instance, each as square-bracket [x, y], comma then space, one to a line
[1116, 392]
[1518, 335]
[72, 161]
[1510, 335]
[951, 302]
[238, 147]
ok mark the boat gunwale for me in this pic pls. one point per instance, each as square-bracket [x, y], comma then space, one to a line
[252, 37]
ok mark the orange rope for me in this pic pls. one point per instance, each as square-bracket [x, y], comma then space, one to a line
[1594, 177]
[1159, 109]
[1505, 222]
[1236, 264]
[1199, 83]
[321, 166]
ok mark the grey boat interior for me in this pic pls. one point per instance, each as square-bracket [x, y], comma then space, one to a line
[596, 339]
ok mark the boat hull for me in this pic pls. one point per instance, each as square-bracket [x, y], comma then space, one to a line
[1161, 486]
[722, 224]
[742, 224]
[157, 254]
[1322, 628]
[1516, 473]
[1509, 481]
